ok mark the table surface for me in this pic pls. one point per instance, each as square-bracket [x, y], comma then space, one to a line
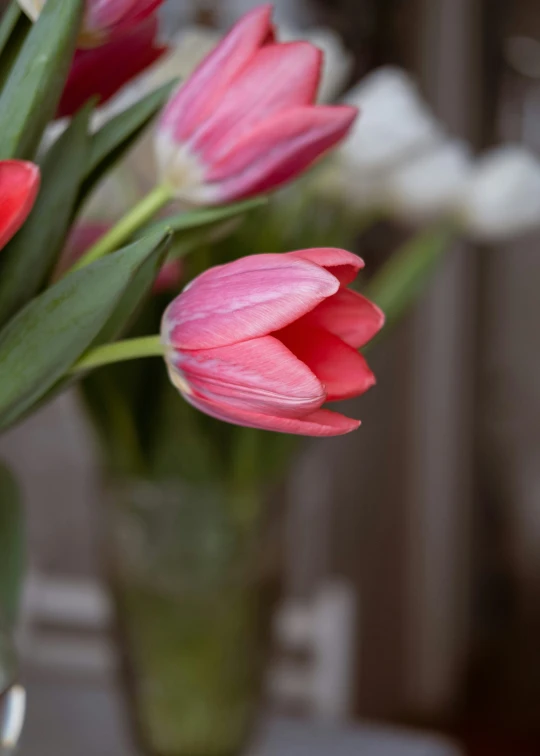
[86, 718]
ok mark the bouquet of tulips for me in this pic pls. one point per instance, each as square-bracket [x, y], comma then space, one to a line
[263, 341]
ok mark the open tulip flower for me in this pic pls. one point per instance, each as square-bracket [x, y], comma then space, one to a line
[19, 184]
[266, 340]
[246, 121]
[104, 19]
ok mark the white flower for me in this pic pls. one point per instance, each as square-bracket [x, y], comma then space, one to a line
[502, 197]
[337, 61]
[429, 185]
[394, 122]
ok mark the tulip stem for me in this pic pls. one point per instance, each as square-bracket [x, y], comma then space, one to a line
[120, 351]
[138, 216]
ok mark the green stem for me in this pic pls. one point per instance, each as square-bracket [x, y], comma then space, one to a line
[120, 351]
[125, 228]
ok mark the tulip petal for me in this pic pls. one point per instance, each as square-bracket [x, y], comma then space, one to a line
[196, 99]
[104, 70]
[277, 150]
[260, 375]
[342, 370]
[279, 77]
[245, 299]
[117, 16]
[342, 264]
[19, 184]
[322, 422]
[348, 315]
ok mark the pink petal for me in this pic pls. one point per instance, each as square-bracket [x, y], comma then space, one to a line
[322, 422]
[259, 375]
[348, 315]
[196, 99]
[19, 184]
[245, 299]
[342, 370]
[103, 71]
[115, 17]
[277, 78]
[279, 149]
[342, 264]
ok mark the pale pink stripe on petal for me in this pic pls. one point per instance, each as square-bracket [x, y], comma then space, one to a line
[279, 149]
[258, 94]
[322, 422]
[245, 299]
[260, 375]
[195, 99]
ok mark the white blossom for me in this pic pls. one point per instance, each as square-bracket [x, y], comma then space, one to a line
[394, 121]
[502, 197]
[431, 184]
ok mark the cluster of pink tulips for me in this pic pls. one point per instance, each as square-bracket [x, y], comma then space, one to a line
[264, 341]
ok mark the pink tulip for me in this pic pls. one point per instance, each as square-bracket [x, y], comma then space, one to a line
[19, 184]
[84, 235]
[266, 340]
[246, 121]
[104, 20]
[103, 71]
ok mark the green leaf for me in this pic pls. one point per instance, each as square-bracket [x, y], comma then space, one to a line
[11, 546]
[9, 21]
[134, 296]
[185, 223]
[41, 343]
[29, 258]
[34, 86]
[12, 45]
[110, 143]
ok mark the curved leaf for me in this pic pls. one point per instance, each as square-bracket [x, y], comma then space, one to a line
[30, 257]
[40, 344]
[34, 86]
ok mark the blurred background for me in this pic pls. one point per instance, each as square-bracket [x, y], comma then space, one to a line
[399, 571]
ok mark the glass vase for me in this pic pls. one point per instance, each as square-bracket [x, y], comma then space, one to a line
[183, 563]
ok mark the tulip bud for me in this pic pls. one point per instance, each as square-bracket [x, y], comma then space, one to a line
[103, 19]
[245, 122]
[502, 197]
[19, 184]
[266, 340]
[395, 124]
